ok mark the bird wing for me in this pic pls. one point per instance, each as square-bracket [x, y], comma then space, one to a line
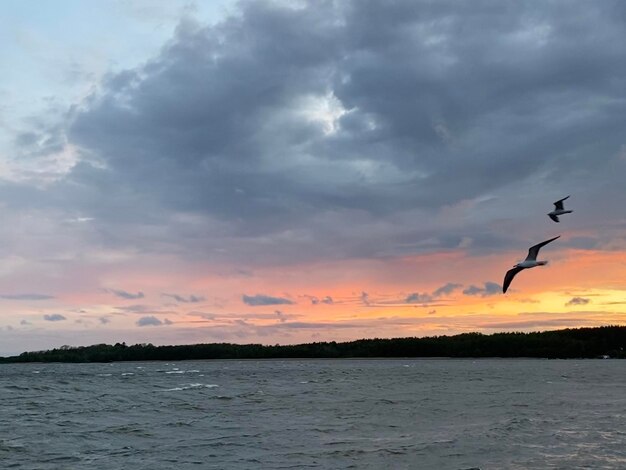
[533, 251]
[559, 204]
[508, 277]
[553, 217]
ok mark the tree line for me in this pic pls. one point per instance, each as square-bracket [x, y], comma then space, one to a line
[568, 343]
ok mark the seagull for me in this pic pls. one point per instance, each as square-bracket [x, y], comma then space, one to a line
[529, 262]
[558, 210]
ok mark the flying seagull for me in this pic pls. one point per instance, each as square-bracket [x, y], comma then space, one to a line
[529, 262]
[558, 210]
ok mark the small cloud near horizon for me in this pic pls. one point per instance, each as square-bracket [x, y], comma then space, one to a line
[490, 288]
[185, 299]
[152, 321]
[328, 300]
[416, 298]
[26, 296]
[446, 289]
[260, 299]
[125, 295]
[577, 301]
[54, 317]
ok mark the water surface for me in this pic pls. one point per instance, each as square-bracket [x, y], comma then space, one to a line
[326, 414]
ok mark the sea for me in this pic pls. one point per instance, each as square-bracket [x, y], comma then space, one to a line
[456, 414]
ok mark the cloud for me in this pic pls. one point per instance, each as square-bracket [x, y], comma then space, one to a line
[328, 300]
[54, 317]
[125, 295]
[490, 288]
[152, 321]
[577, 301]
[26, 296]
[314, 133]
[260, 299]
[140, 308]
[104, 320]
[416, 298]
[185, 299]
[25, 322]
[446, 289]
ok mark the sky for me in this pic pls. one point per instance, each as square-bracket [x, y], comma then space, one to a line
[295, 171]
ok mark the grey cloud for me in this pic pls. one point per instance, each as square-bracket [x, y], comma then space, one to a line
[139, 308]
[152, 321]
[577, 301]
[26, 296]
[25, 322]
[416, 298]
[260, 299]
[446, 289]
[489, 288]
[328, 300]
[204, 315]
[316, 132]
[54, 317]
[126, 295]
[185, 299]
[104, 320]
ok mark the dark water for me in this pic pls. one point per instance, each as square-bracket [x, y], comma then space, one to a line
[331, 414]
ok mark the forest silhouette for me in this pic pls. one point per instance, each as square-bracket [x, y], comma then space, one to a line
[599, 342]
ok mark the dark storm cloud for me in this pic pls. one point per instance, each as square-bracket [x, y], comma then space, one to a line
[490, 288]
[26, 296]
[125, 295]
[260, 299]
[577, 301]
[186, 299]
[290, 121]
[54, 317]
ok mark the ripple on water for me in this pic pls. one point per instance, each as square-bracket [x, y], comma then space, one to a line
[364, 414]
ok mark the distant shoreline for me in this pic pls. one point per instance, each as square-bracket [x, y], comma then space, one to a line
[572, 343]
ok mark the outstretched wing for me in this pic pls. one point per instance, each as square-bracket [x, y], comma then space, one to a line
[533, 251]
[508, 277]
[553, 217]
[559, 204]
